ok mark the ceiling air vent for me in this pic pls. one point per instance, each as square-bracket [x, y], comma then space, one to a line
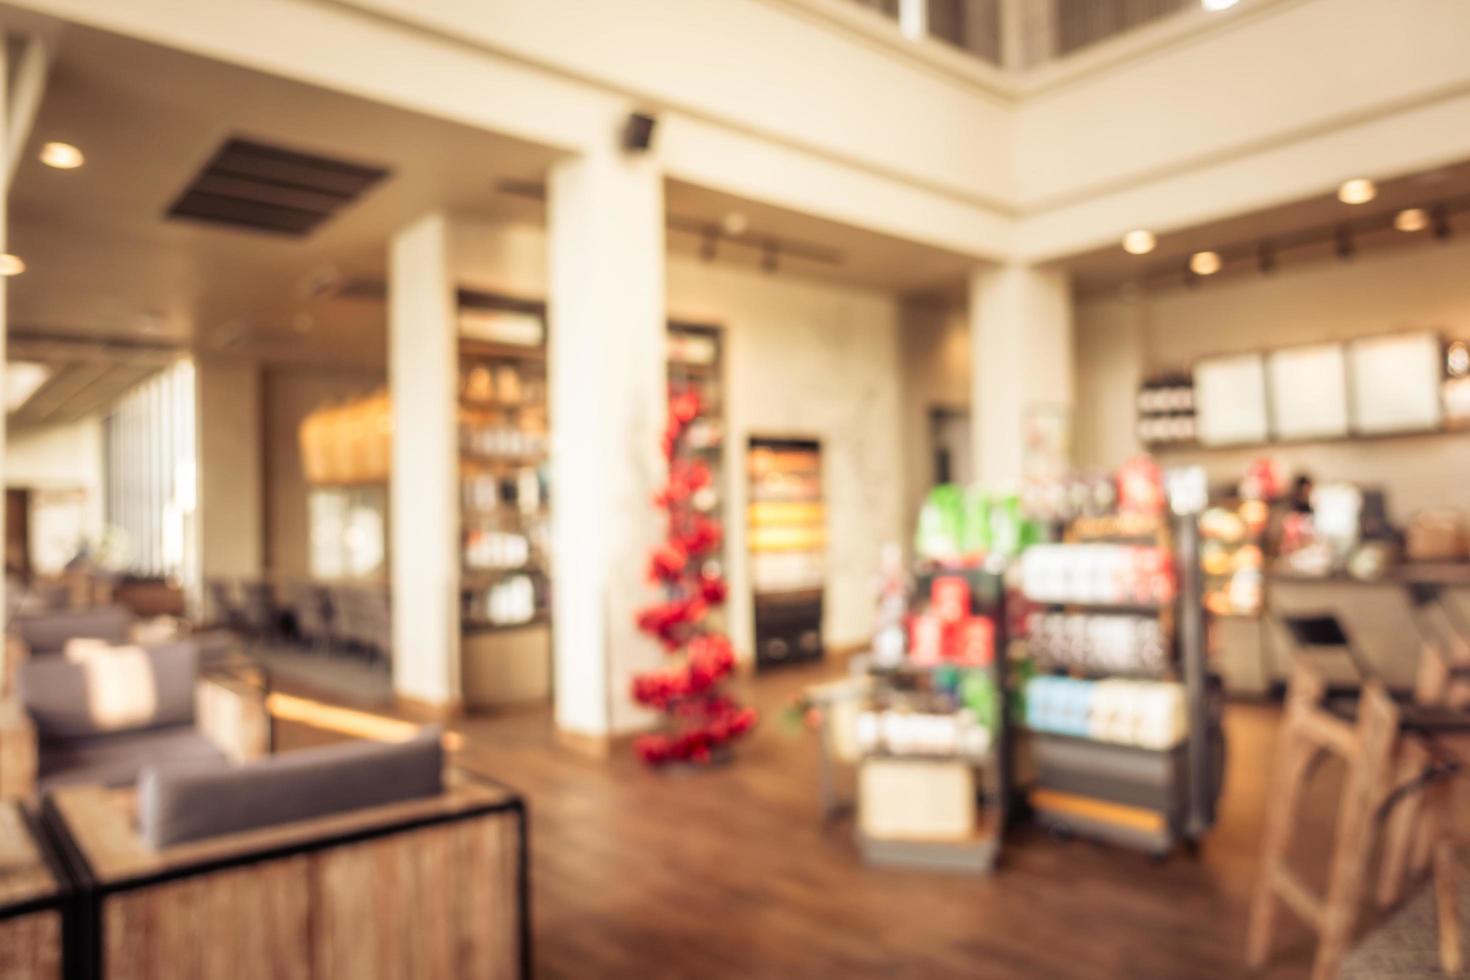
[267, 188]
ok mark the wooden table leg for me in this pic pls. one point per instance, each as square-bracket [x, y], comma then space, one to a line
[1377, 731]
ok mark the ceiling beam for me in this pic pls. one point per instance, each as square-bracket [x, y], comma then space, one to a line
[25, 101]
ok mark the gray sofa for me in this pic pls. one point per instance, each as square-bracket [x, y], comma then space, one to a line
[71, 723]
[181, 803]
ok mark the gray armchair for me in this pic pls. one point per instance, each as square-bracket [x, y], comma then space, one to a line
[102, 721]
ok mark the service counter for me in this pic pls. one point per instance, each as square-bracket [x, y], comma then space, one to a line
[1255, 653]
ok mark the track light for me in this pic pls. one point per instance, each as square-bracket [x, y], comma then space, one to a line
[1411, 220]
[1359, 190]
[1205, 263]
[1266, 257]
[1342, 243]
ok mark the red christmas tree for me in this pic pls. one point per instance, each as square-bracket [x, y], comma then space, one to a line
[700, 716]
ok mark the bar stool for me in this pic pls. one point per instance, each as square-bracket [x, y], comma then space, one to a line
[1399, 766]
[1310, 731]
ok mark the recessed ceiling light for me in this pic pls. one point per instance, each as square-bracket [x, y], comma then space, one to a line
[735, 223]
[1204, 263]
[1411, 219]
[22, 379]
[11, 265]
[1359, 190]
[1216, 5]
[1140, 241]
[62, 156]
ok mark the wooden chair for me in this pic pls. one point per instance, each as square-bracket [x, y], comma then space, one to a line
[1398, 769]
[1420, 834]
[1310, 731]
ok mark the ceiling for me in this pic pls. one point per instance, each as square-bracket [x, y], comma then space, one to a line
[1300, 232]
[104, 261]
[803, 245]
[83, 377]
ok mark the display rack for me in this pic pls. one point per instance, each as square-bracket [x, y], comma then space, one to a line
[979, 850]
[1103, 779]
[505, 510]
[787, 539]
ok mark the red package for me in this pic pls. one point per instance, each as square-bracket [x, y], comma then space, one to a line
[926, 640]
[1140, 487]
[974, 642]
[949, 598]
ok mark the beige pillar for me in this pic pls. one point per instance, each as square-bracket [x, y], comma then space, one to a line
[423, 366]
[1021, 363]
[607, 364]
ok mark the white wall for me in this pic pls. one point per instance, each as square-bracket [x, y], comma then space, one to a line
[66, 458]
[1283, 99]
[231, 465]
[1274, 100]
[802, 358]
[817, 361]
[935, 351]
[1419, 287]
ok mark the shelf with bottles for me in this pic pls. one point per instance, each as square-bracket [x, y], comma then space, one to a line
[1233, 537]
[1116, 640]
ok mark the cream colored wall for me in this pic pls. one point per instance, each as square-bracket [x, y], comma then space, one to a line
[231, 465]
[1271, 101]
[818, 361]
[1419, 287]
[62, 457]
[802, 358]
[290, 393]
[935, 354]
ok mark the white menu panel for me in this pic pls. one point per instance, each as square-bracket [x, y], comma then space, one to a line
[1395, 383]
[1230, 400]
[1308, 388]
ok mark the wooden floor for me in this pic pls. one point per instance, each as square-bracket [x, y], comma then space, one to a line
[731, 873]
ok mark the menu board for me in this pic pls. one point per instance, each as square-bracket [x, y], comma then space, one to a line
[1308, 387]
[1395, 383]
[1230, 400]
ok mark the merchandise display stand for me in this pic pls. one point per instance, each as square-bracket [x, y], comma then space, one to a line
[1128, 756]
[505, 509]
[898, 786]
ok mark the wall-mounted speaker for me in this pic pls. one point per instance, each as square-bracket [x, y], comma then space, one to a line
[638, 132]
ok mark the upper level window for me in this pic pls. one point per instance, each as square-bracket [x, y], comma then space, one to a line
[1044, 30]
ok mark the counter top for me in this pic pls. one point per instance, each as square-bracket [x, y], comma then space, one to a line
[1411, 573]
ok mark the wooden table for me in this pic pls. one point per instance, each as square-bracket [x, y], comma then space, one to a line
[33, 895]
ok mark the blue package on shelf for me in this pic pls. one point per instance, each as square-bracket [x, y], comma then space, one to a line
[1059, 704]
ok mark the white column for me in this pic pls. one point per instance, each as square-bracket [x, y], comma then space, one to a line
[607, 351]
[423, 372]
[231, 455]
[1021, 362]
[4, 303]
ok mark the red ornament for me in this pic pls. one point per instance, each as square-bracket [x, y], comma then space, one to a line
[699, 717]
